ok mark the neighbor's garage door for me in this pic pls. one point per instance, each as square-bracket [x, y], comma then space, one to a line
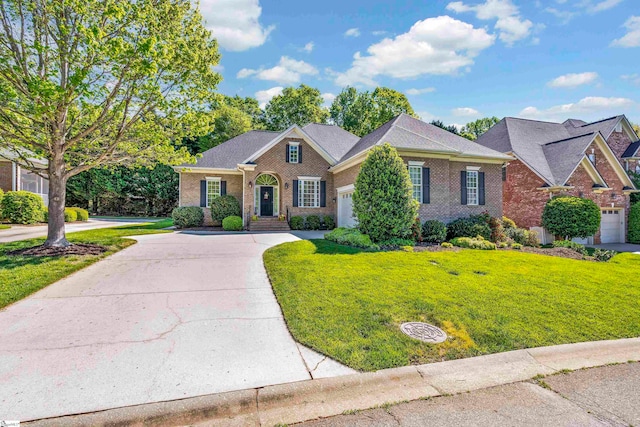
[612, 226]
[345, 209]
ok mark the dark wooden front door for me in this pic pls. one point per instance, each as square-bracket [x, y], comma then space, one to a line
[266, 201]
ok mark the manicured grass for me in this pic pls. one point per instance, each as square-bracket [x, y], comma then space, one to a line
[4, 227]
[348, 304]
[20, 276]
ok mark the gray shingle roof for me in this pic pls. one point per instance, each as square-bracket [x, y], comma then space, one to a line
[408, 132]
[553, 150]
[333, 139]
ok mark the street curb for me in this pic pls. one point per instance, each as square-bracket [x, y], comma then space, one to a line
[310, 399]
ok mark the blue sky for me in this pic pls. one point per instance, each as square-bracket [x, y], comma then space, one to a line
[456, 61]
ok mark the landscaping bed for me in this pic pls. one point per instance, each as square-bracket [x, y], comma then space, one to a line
[348, 303]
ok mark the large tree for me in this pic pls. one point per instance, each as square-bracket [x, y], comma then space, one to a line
[473, 130]
[448, 128]
[296, 106]
[362, 112]
[85, 83]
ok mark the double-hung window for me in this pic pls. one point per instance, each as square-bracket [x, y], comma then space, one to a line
[294, 153]
[415, 173]
[472, 187]
[309, 193]
[213, 189]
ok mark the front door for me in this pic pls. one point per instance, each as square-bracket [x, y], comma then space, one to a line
[266, 201]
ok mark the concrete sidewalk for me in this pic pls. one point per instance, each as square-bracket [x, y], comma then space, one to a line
[604, 396]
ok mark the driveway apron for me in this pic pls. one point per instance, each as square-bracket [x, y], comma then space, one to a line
[174, 316]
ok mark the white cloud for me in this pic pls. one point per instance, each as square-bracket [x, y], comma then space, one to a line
[441, 45]
[235, 23]
[328, 98]
[592, 105]
[264, 96]
[588, 6]
[600, 6]
[414, 91]
[379, 32]
[632, 38]
[308, 47]
[288, 71]
[465, 112]
[573, 80]
[511, 26]
[425, 116]
[633, 78]
[564, 15]
[352, 32]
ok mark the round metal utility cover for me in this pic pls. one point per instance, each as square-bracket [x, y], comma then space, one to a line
[424, 332]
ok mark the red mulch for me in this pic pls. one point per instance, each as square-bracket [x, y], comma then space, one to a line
[77, 249]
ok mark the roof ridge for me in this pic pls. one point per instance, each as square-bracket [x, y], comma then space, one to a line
[391, 122]
[600, 121]
[260, 130]
[533, 120]
[569, 139]
[430, 139]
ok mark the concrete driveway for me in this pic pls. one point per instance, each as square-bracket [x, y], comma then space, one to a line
[23, 232]
[619, 247]
[173, 316]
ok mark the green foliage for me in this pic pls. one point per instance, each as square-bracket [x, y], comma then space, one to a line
[508, 223]
[232, 223]
[473, 243]
[351, 237]
[416, 231]
[473, 130]
[475, 225]
[570, 245]
[497, 230]
[571, 217]
[635, 197]
[82, 214]
[296, 223]
[434, 231]
[448, 128]
[522, 236]
[446, 245]
[329, 222]
[70, 215]
[516, 246]
[531, 239]
[296, 106]
[603, 255]
[187, 217]
[22, 207]
[502, 245]
[397, 243]
[313, 222]
[1, 196]
[634, 224]
[224, 206]
[231, 117]
[362, 112]
[383, 200]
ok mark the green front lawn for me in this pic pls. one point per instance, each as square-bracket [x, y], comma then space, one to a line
[20, 276]
[349, 304]
[4, 227]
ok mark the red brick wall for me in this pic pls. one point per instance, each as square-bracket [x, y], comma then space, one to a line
[6, 180]
[619, 142]
[524, 203]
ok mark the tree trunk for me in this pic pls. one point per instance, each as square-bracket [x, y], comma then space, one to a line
[57, 198]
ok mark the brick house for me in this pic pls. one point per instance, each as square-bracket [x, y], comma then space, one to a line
[13, 177]
[589, 160]
[311, 170]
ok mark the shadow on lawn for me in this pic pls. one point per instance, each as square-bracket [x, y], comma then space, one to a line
[327, 247]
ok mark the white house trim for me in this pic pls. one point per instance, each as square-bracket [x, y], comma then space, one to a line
[287, 134]
[346, 188]
[415, 163]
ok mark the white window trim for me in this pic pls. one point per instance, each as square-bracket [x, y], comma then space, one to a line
[419, 167]
[473, 168]
[213, 179]
[297, 146]
[477, 187]
[301, 184]
[415, 163]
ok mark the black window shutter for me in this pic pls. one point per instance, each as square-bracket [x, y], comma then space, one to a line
[203, 194]
[287, 154]
[295, 193]
[481, 188]
[323, 194]
[426, 185]
[504, 173]
[463, 187]
[299, 153]
[223, 188]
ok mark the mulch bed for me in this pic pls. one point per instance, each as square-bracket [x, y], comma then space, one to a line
[559, 252]
[423, 247]
[76, 249]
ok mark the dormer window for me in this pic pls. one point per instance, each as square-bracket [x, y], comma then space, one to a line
[618, 127]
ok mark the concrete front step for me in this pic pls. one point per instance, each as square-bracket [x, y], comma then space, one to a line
[269, 224]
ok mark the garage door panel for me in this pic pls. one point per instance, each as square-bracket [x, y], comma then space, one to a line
[611, 226]
[345, 210]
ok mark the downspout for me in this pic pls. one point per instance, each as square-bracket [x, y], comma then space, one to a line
[179, 189]
[14, 172]
[244, 214]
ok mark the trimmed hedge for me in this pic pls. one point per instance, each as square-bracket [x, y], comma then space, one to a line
[351, 237]
[70, 215]
[296, 223]
[571, 217]
[22, 207]
[571, 245]
[232, 223]
[434, 231]
[473, 243]
[187, 216]
[313, 222]
[329, 222]
[223, 207]
[634, 223]
[475, 225]
[83, 214]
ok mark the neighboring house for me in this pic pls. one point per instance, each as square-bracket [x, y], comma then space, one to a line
[13, 177]
[582, 159]
[312, 171]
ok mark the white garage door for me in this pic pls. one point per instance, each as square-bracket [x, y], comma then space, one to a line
[345, 210]
[612, 226]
